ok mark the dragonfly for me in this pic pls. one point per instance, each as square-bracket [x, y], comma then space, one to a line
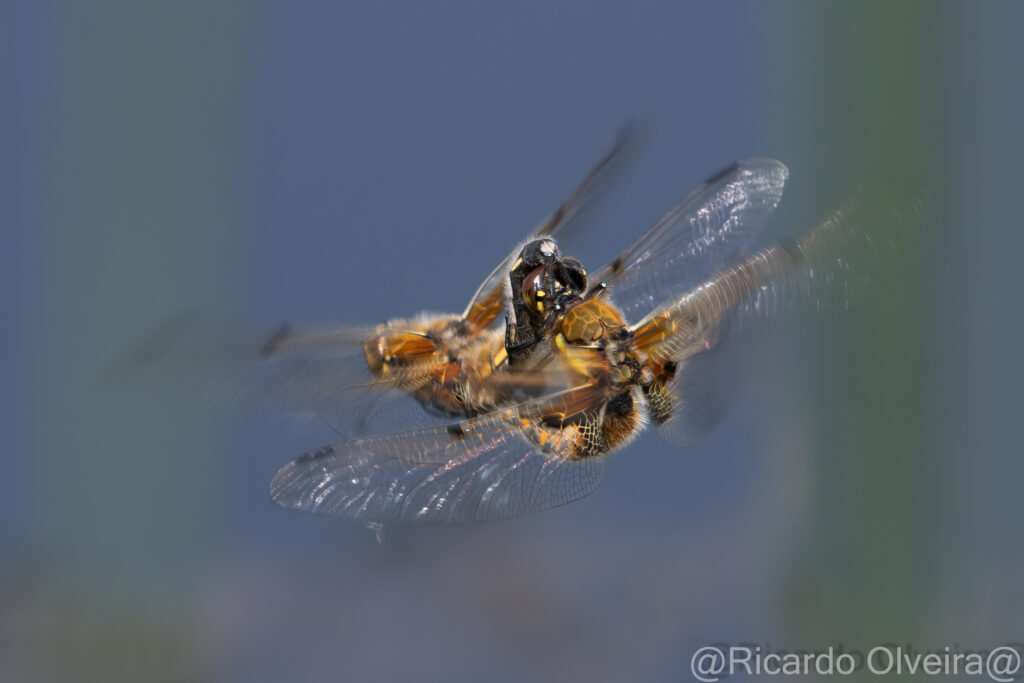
[512, 406]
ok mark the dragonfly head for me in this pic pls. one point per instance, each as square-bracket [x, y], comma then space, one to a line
[544, 284]
[544, 281]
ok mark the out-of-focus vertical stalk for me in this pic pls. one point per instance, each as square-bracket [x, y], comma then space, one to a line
[869, 90]
[136, 129]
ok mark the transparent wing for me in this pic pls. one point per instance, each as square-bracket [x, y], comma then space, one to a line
[303, 373]
[835, 262]
[337, 387]
[823, 267]
[476, 470]
[315, 368]
[488, 303]
[691, 324]
[714, 225]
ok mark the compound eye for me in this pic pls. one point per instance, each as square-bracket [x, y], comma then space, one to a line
[572, 274]
[534, 293]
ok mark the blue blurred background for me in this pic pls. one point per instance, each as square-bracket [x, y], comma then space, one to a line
[349, 162]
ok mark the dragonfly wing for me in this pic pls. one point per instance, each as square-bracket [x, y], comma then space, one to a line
[839, 257]
[823, 266]
[228, 362]
[305, 373]
[714, 225]
[324, 372]
[476, 470]
[339, 390]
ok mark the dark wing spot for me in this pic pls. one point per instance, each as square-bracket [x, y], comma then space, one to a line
[315, 454]
[617, 265]
[275, 340]
[455, 431]
[721, 174]
[555, 421]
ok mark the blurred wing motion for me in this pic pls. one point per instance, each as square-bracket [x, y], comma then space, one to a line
[712, 227]
[827, 265]
[824, 261]
[318, 372]
[476, 470]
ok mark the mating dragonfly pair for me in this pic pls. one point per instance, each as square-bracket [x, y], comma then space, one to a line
[516, 402]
